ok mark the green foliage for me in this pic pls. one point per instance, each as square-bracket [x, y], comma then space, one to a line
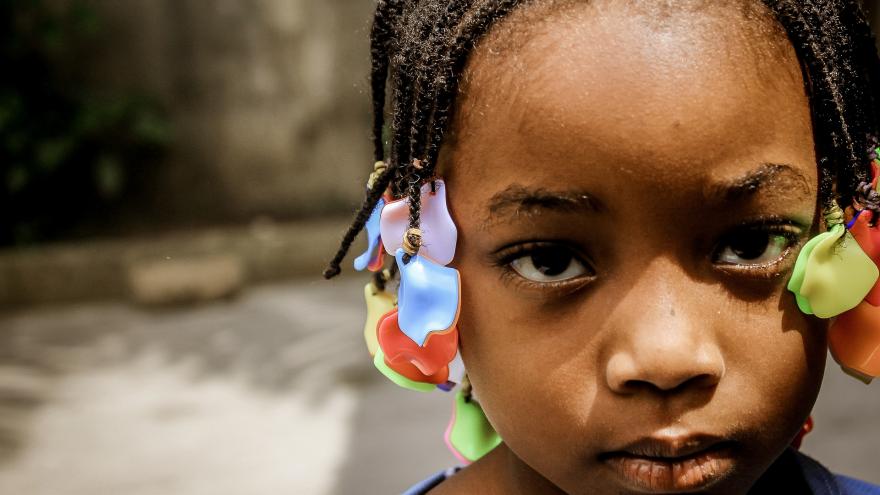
[67, 153]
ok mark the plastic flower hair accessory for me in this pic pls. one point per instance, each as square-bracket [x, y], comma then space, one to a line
[429, 297]
[379, 303]
[868, 238]
[854, 338]
[832, 274]
[419, 339]
[854, 341]
[428, 362]
[413, 337]
[469, 435]
[372, 257]
[836, 275]
[416, 332]
[438, 232]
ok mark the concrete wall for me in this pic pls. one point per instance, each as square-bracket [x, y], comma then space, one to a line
[269, 99]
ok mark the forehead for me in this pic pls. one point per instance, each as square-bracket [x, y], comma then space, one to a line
[607, 90]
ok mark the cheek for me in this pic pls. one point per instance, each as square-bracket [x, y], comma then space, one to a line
[774, 342]
[775, 363]
[537, 387]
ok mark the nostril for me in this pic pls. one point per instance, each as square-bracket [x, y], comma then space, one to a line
[706, 380]
[672, 386]
[635, 386]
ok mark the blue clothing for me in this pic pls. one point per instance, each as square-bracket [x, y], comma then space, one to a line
[806, 476]
[823, 482]
[425, 486]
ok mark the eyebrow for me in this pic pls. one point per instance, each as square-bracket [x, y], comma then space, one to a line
[768, 175]
[523, 200]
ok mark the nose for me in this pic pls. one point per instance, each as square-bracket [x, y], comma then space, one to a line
[664, 346]
[668, 367]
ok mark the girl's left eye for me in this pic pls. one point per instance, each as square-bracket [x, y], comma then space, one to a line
[547, 264]
[755, 248]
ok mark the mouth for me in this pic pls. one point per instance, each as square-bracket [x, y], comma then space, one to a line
[672, 464]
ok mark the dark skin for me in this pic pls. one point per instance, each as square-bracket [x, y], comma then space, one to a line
[631, 187]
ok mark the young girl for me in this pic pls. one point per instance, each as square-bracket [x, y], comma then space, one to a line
[623, 192]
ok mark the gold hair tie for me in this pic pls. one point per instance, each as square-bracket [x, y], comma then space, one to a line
[378, 168]
[834, 215]
[412, 241]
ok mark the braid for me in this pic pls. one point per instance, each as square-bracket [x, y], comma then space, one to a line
[866, 72]
[431, 76]
[386, 13]
[401, 107]
[457, 53]
[457, 48]
[802, 27]
[422, 47]
[831, 43]
[847, 95]
[333, 269]
[413, 237]
[409, 74]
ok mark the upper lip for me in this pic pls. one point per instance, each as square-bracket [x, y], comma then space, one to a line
[669, 447]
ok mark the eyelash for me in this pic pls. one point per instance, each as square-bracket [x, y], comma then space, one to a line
[790, 230]
[507, 255]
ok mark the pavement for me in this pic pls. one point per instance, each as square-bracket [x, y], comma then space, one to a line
[268, 392]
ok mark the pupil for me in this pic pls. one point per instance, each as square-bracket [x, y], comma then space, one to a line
[550, 262]
[751, 246]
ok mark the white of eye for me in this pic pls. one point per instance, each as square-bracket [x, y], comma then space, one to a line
[548, 265]
[772, 251]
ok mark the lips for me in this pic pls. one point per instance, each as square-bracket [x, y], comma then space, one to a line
[672, 464]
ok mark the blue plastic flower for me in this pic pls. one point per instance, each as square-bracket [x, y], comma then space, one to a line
[361, 262]
[428, 298]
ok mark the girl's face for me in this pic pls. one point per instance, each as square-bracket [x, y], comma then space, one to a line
[632, 186]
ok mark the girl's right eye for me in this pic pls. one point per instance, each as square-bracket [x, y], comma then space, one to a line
[547, 264]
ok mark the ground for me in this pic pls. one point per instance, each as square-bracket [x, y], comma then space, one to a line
[271, 392]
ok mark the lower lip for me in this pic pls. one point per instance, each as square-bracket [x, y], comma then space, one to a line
[684, 474]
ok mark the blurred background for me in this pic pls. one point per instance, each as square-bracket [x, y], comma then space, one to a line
[175, 173]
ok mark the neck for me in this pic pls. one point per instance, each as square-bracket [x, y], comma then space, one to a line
[509, 474]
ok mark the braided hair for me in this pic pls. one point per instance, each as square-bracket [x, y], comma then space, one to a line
[421, 47]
